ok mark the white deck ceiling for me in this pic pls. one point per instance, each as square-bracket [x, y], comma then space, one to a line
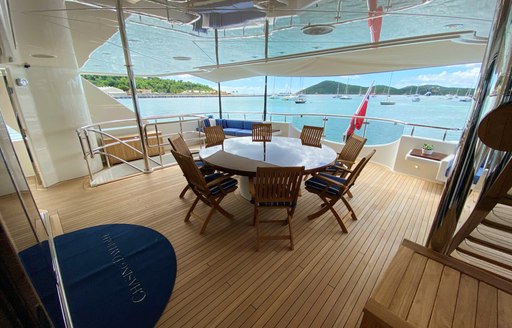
[178, 37]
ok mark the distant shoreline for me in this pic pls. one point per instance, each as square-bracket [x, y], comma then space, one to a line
[180, 96]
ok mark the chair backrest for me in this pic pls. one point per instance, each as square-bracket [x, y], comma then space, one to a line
[262, 132]
[178, 144]
[194, 177]
[352, 148]
[311, 135]
[214, 135]
[351, 179]
[277, 184]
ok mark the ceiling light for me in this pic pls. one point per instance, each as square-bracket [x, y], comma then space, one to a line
[43, 56]
[183, 58]
[454, 26]
[318, 29]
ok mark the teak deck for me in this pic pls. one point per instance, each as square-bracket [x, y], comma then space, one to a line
[222, 281]
[422, 288]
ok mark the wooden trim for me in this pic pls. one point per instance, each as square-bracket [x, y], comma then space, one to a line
[470, 270]
[386, 317]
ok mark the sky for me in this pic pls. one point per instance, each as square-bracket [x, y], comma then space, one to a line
[459, 76]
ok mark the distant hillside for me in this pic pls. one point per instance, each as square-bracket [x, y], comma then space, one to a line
[152, 84]
[330, 87]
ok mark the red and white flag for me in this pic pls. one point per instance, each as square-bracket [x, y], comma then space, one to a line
[356, 122]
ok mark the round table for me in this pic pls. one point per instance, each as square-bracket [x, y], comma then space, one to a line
[242, 156]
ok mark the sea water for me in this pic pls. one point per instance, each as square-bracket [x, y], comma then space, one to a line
[434, 110]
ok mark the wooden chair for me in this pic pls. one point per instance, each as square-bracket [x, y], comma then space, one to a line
[347, 157]
[178, 144]
[331, 188]
[214, 135]
[275, 188]
[262, 132]
[210, 189]
[311, 135]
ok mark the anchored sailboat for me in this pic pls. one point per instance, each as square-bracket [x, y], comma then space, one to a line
[388, 101]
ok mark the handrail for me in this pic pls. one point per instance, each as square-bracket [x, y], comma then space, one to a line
[98, 131]
[350, 116]
[89, 135]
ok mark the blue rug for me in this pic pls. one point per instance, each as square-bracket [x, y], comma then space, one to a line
[115, 275]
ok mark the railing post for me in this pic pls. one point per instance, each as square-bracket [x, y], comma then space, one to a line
[324, 119]
[365, 123]
[412, 131]
[444, 135]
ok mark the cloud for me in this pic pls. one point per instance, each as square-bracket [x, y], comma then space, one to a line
[466, 77]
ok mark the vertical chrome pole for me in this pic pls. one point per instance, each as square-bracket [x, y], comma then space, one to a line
[266, 57]
[217, 61]
[131, 81]
[265, 101]
[493, 89]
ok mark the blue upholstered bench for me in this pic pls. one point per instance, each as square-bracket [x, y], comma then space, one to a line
[238, 128]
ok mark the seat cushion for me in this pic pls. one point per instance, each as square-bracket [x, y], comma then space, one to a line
[207, 123]
[243, 133]
[231, 131]
[316, 183]
[287, 204]
[248, 125]
[235, 124]
[226, 184]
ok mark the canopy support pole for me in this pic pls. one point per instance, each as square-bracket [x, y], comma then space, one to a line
[217, 61]
[132, 84]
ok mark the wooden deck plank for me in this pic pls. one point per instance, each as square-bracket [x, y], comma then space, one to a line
[504, 309]
[223, 282]
[465, 310]
[423, 302]
[444, 306]
[404, 296]
[487, 306]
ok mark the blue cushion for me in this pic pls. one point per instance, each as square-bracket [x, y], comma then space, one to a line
[320, 185]
[226, 184]
[231, 131]
[235, 124]
[243, 133]
[206, 122]
[220, 122]
[248, 124]
[289, 204]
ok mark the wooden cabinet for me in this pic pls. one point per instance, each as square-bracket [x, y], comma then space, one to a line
[124, 152]
[422, 288]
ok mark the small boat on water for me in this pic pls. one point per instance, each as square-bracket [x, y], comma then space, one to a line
[300, 100]
[388, 101]
[416, 96]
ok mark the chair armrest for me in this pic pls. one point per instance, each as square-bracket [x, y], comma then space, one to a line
[345, 162]
[342, 168]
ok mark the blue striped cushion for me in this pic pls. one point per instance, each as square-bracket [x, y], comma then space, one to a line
[226, 184]
[320, 185]
[289, 204]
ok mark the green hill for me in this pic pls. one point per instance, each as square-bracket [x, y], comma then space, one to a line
[330, 87]
[154, 84]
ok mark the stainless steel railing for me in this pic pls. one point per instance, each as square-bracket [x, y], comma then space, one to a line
[99, 139]
[273, 117]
